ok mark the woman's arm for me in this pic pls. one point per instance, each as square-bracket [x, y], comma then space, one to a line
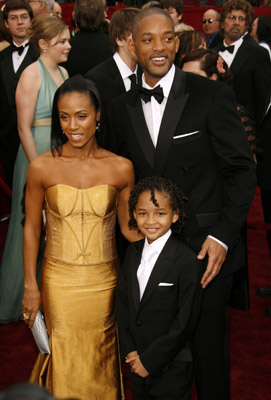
[123, 209]
[32, 229]
[26, 99]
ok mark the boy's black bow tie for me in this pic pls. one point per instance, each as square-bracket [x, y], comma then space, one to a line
[146, 94]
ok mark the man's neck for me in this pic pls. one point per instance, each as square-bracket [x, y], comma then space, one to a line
[128, 60]
[18, 41]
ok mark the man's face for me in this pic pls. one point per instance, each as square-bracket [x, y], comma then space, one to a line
[18, 21]
[154, 45]
[174, 15]
[210, 25]
[57, 10]
[234, 26]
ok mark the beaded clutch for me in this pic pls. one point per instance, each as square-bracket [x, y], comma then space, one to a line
[40, 334]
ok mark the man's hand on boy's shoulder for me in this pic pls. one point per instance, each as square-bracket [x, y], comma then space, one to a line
[136, 365]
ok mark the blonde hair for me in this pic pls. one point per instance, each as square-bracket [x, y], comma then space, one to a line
[45, 27]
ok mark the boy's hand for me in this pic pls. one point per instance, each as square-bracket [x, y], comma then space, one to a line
[131, 357]
[138, 368]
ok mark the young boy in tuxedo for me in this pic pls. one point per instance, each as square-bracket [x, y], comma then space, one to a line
[158, 295]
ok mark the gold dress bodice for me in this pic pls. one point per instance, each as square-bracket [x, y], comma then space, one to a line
[83, 217]
[79, 276]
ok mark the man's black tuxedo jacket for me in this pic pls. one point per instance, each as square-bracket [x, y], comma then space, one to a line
[88, 50]
[8, 83]
[203, 148]
[162, 323]
[251, 70]
[217, 41]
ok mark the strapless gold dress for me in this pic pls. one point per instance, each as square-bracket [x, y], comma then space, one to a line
[79, 276]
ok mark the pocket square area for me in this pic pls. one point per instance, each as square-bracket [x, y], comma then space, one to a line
[165, 284]
[185, 134]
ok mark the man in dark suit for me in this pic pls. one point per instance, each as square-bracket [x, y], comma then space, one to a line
[249, 62]
[14, 59]
[211, 28]
[188, 130]
[90, 45]
[117, 74]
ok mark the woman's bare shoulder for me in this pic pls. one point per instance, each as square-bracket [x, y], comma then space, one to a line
[42, 162]
[119, 161]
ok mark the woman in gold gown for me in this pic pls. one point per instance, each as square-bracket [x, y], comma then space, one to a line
[82, 186]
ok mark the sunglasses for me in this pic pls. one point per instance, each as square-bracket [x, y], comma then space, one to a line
[210, 21]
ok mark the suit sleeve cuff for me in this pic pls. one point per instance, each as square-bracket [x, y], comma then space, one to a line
[219, 241]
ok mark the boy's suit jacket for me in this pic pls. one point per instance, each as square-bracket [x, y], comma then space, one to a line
[203, 148]
[162, 323]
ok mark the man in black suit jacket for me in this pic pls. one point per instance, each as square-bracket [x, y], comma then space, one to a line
[90, 45]
[249, 62]
[17, 16]
[195, 138]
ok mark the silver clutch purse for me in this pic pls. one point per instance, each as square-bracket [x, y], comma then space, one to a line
[40, 334]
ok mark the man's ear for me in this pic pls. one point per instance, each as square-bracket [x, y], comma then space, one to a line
[131, 47]
[177, 43]
[180, 16]
[6, 24]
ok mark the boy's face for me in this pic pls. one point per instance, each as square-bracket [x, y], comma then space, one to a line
[18, 21]
[153, 222]
[174, 15]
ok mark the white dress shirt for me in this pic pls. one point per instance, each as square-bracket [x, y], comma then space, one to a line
[124, 70]
[149, 257]
[153, 111]
[18, 59]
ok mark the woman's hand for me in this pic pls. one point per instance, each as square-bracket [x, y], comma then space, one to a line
[30, 305]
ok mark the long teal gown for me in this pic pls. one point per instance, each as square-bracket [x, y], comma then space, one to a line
[11, 271]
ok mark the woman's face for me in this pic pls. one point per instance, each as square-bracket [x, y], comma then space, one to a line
[78, 118]
[253, 32]
[59, 47]
[194, 67]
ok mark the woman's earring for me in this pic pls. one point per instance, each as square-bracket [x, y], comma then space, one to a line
[98, 126]
[63, 132]
[44, 50]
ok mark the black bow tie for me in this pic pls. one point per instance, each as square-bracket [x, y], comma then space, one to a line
[146, 94]
[229, 48]
[20, 49]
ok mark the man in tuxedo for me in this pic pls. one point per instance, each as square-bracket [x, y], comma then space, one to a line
[14, 59]
[90, 45]
[249, 62]
[211, 28]
[117, 74]
[186, 128]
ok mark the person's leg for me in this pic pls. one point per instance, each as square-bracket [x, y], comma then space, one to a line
[210, 344]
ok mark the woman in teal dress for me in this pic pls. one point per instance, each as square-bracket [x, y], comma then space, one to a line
[34, 98]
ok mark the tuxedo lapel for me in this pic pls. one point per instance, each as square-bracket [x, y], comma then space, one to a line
[240, 58]
[136, 114]
[8, 75]
[114, 73]
[172, 114]
[134, 267]
[161, 267]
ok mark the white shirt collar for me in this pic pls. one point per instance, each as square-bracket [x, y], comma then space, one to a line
[159, 243]
[236, 44]
[22, 44]
[124, 70]
[165, 82]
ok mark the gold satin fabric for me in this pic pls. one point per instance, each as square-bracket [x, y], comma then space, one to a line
[79, 276]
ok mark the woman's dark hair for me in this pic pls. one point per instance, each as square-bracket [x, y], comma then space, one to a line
[76, 84]
[209, 60]
[264, 29]
[167, 188]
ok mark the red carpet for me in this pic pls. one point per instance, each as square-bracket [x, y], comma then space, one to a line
[249, 331]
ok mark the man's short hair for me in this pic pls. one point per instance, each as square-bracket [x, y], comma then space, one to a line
[242, 5]
[120, 26]
[177, 4]
[146, 13]
[12, 5]
[89, 14]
